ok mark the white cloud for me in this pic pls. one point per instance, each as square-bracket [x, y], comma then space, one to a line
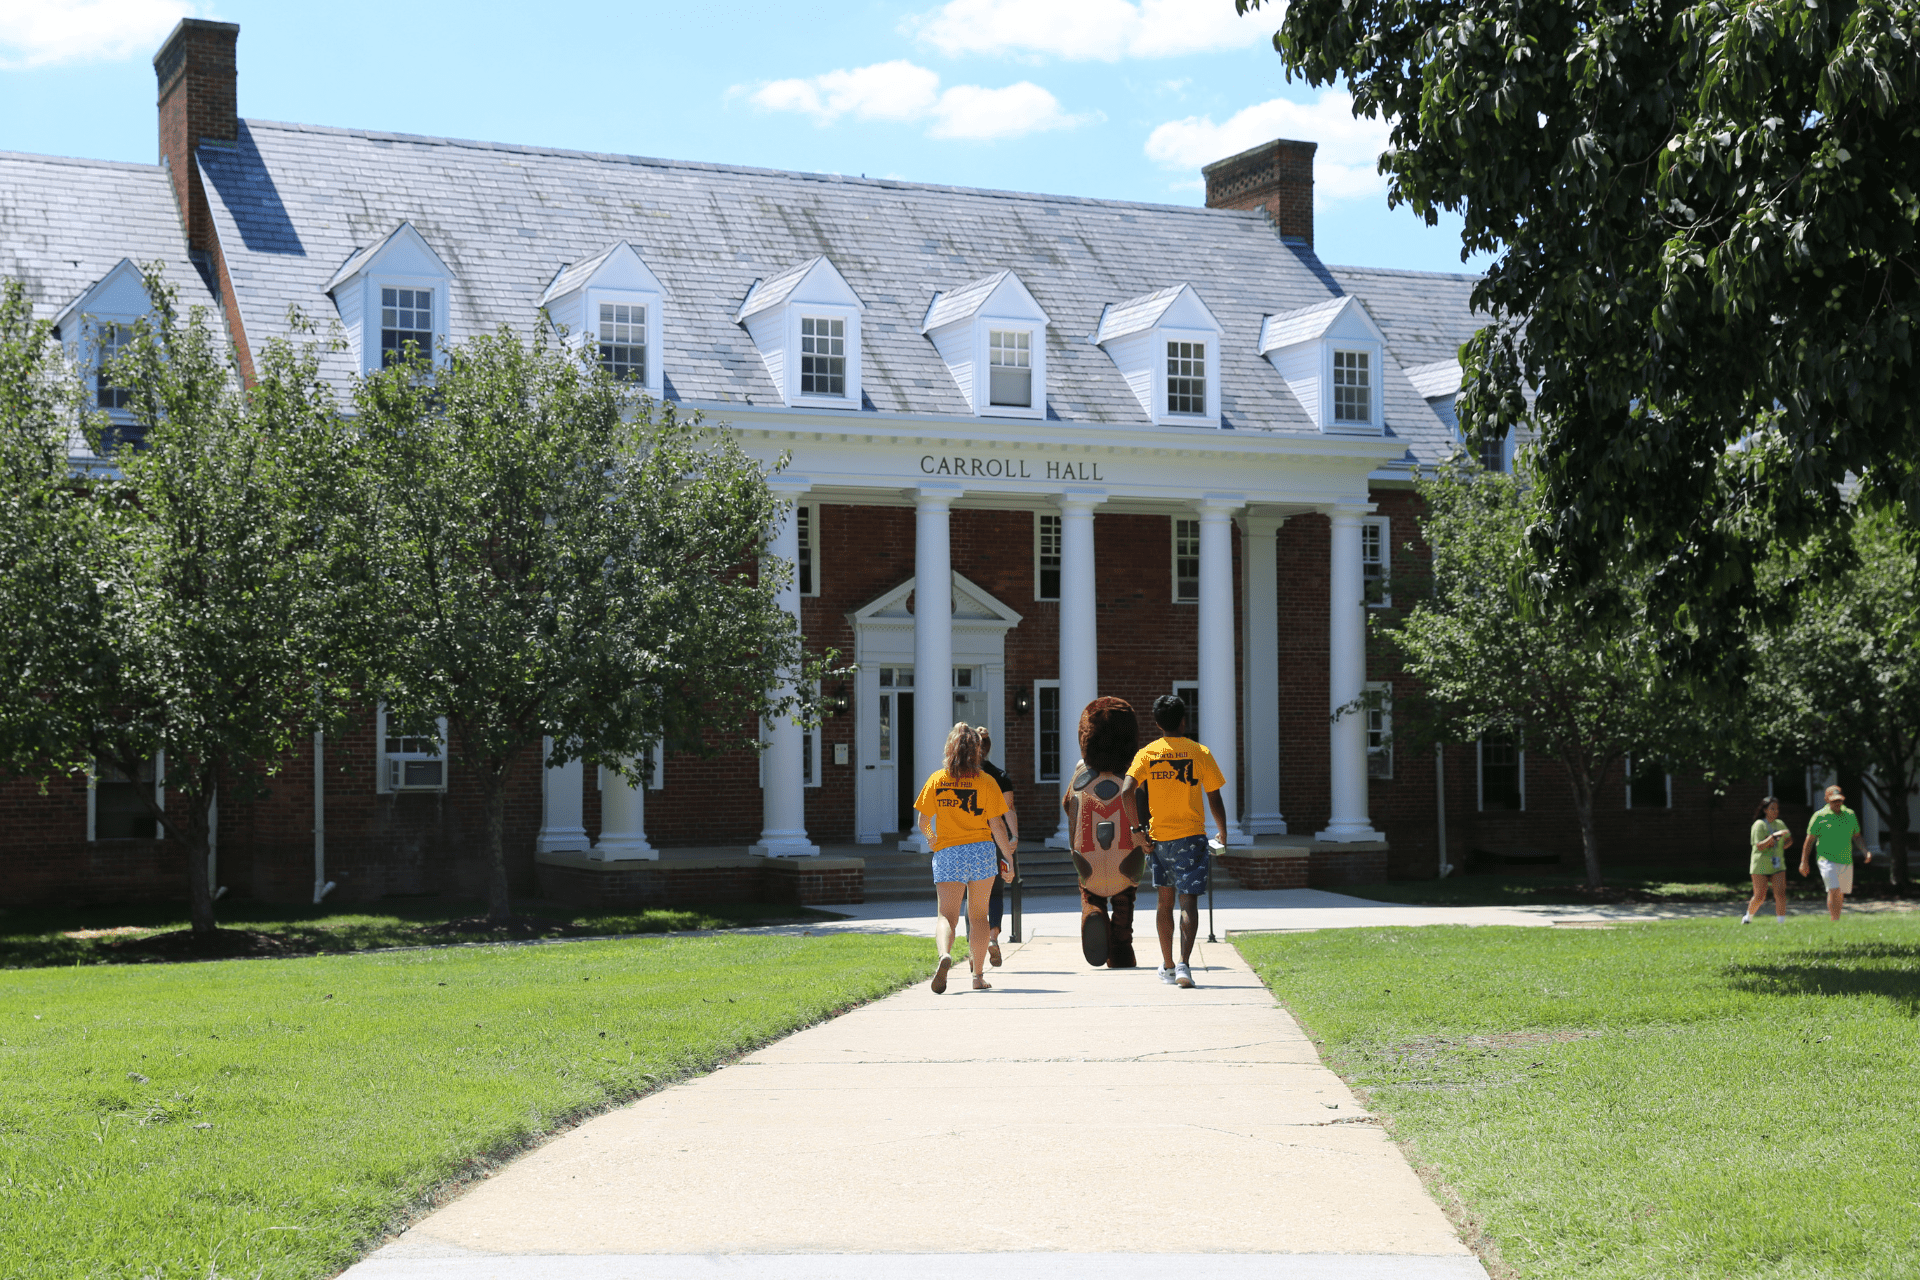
[901, 91]
[47, 33]
[1089, 30]
[1344, 168]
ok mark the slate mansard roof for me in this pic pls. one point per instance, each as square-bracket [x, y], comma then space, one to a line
[64, 224]
[293, 203]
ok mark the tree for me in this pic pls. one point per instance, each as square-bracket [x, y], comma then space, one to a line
[1495, 653]
[1838, 684]
[190, 583]
[557, 557]
[1703, 218]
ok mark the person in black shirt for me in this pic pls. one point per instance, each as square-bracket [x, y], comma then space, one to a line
[999, 775]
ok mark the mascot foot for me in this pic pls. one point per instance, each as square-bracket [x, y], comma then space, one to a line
[1120, 954]
[1093, 937]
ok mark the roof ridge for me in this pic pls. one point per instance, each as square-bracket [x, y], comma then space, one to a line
[707, 166]
[83, 161]
[1410, 271]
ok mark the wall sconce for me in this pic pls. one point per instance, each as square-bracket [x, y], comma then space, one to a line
[837, 702]
[1022, 703]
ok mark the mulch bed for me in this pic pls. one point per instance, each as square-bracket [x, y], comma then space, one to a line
[221, 944]
[516, 927]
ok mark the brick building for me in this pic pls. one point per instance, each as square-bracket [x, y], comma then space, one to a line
[1042, 446]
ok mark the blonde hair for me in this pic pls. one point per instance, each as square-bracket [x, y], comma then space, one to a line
[986, 740]
[963, 751]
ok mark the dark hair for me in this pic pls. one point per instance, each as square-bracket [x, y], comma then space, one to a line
[1760, 814]
[963, 751]
[1170, 713]
[1109, 735]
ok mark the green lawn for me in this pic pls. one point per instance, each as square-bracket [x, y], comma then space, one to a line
[271, 1117]
[1687, 1099]
[1624, 884]
[31, 937]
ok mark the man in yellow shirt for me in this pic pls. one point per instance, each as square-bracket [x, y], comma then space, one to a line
[1172, 773]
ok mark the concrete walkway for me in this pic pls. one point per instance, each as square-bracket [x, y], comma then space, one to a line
[1071, 1123]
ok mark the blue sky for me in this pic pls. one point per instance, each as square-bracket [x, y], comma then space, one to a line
[1118, 99]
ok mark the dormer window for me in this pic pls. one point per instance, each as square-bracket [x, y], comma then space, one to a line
[806, 323]
[111, 340]
[392, 299]
[406, 324]
[992, 336]
[623, 341]
[1352, 387]
[1186, 377]
[823, 356]
[1167, 347]
[1010, 368]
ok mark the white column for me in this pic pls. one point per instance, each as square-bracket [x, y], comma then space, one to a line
[783, 794]
[932, 636]
[1258, 556]
[1218, 700]
[1079, 628]
[623, 821]
[1346, 682]
[563, 823]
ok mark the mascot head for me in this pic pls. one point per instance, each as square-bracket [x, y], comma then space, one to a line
[1109, 735]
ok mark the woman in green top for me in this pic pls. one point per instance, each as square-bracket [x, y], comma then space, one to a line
[1769, 863]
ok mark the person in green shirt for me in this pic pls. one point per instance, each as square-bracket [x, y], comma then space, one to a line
[1768, 865]
[1835, 831]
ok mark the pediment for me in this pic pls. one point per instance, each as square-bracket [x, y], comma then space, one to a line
[121, 294]
[972, 604]
[404, 252]
[619, 266]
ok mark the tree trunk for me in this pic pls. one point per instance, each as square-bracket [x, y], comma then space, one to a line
[1583, 809]
[199, 888]
[493, 805]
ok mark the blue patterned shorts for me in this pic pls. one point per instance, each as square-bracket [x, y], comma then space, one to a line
[1181, 865]
[964, 862]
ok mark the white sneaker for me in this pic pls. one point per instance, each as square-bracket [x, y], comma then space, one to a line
[1165, 975]
[1182, 975]
[1779, 919]
[1746, 919]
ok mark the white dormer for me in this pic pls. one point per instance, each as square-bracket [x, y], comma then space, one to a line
[613, 299]
[392, 294]
[1331, 355]
[94, 326]
[1167, 346]
[993, 337]
[806, 323]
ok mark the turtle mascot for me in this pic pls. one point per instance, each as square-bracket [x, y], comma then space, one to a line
[1101, 820]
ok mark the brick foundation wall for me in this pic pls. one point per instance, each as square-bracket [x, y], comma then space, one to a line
[1263, 869]
[576, 881]
[1327, 868]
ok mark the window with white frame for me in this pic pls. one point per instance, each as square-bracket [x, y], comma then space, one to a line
[117, 809]
[623, 341]
[1046, 736]
[1379, 712]
[806, 569]
[893, 681]
[823, 356]
[1376, 551]
[406, 320]
[1493, 453]
[1649, 785]
[1503, 775]
[110, 340]
[413, 756]
[1188, 691]
[1186, 561]
[1352, 387]
[1010, 368]
[1186, 377]
[1046, 557]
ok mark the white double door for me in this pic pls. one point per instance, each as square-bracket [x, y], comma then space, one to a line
[889, 776]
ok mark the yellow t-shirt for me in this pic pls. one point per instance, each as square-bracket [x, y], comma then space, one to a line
[1177, 773]
[960, 807]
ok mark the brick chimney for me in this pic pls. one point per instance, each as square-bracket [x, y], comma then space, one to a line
[197, 102]
[1276, 176]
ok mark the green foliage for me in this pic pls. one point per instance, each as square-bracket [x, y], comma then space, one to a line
[551, 556]
[1707, 1100]
[1837, 674]
[271, 1118]
[1575, 677]
[1703, 217]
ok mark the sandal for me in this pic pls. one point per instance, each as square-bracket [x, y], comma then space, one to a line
[940, 975]
[980, 982]
[993, 953]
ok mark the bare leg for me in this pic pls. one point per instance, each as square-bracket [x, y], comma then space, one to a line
[1834, 898]
[977, 891]
[1780, 893]
[1759, 893]
[1163, 921]
[949, 919]
[1189, 924]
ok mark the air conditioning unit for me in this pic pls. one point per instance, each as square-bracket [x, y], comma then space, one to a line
[405, 774]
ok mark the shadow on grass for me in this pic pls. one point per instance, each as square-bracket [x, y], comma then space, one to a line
[1890, 970]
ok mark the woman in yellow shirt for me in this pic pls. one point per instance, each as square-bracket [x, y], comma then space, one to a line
[963, 816]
